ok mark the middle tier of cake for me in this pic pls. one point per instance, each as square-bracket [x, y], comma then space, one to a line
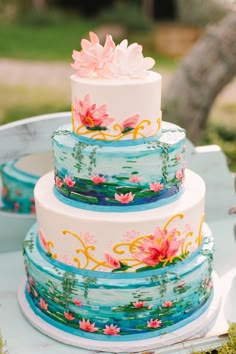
[120, 241]
[119, 173]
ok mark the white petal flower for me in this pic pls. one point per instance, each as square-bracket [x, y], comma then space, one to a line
[128, 61]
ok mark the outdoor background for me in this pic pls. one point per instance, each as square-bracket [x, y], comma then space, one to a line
[37, 38]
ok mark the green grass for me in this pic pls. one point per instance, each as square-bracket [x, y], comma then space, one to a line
[55, 42]
[48, 42]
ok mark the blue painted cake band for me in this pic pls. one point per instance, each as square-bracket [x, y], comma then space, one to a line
[118, 208]
[112, 143]
[131, 337]
[106, 175]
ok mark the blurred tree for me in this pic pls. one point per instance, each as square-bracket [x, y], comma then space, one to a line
[39, 5]
[201, 76]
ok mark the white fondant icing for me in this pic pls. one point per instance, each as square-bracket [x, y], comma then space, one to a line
[64, 226]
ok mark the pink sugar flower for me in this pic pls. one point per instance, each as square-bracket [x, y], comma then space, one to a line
[135, 179]
[94, 59]
[156, 186]
[58, 182]
[77, 302]
[98, 179]
[112, 261]
[178, 174]
[167, 304]
[124, 198]
[69, 316]
[111, 330]
[128, 61]
[69, 182]
[43, 304]
[89, 115]
[154, 323]
[178, 158]
[139, 304]
[130, 123]
[87, 326]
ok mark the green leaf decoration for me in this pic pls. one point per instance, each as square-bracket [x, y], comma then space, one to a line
[96, 127]
[68, 283]
[122, 267]
[88, 281]
[28, 244]
[127, 129]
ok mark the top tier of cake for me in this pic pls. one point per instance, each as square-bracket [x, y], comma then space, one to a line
[125, 109]
[114, 95]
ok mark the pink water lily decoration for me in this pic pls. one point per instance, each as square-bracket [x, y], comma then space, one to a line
[167, 304]
[154, 323]
[158, 247]
[139, 304]
[90, 115]
[43, 241]
[94, 59]
[135, 179]
[125, 198]
[130, 123]
[87, 326]
[111, 260]
[178, 174]
[69, 316]
[4, 191]
[156, 186]
[98, 179]
[178, 158]
[77, 302]
[58, 182]
[128, 61]
[43, 304]
[31, 281]
[111, 330]
[69, 182]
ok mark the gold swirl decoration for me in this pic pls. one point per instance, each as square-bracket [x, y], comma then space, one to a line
[125, 251]
[117, 132]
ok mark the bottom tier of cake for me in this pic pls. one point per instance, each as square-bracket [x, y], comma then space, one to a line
[120, 307]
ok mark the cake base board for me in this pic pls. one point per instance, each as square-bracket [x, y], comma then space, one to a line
[195, 329]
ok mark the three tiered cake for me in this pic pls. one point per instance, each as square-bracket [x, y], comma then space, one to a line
[120, 254]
